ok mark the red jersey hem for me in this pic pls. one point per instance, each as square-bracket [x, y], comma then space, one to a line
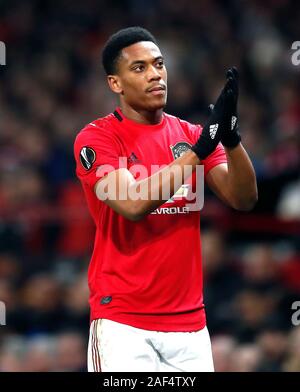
[166, 323]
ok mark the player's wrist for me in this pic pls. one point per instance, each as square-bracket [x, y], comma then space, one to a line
[205, 145]
[200, 151]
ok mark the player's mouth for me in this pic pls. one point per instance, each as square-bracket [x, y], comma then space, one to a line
[158, 89]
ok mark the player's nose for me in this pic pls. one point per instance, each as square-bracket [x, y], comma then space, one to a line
[153, 74]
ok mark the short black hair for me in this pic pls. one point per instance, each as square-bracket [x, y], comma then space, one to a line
[121, 39]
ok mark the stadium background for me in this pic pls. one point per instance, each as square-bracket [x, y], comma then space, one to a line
[53, 84]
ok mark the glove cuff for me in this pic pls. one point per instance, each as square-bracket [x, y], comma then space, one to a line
[202, 150]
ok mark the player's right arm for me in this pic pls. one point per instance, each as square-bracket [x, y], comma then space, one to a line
[135, 199]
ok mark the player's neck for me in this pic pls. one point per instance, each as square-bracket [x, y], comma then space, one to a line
[143, 116]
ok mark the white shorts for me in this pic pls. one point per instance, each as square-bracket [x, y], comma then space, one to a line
[116, 347]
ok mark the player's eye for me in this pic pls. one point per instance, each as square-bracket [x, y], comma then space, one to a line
[160, 64]
[138, 68]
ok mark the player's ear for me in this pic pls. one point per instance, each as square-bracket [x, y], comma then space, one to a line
[115, 84]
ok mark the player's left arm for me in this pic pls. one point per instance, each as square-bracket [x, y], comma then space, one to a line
[234, 182]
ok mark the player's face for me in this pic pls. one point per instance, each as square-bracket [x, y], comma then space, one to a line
[142, 77]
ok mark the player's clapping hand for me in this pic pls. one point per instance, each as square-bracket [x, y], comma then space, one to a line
[231, 136]
[222, 122]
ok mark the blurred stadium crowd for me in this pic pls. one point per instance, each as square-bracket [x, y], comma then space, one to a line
[53, 85]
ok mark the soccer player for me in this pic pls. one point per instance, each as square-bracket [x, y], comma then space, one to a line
[145, 275]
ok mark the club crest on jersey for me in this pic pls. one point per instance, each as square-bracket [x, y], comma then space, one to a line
[87, 157]
[180, 148]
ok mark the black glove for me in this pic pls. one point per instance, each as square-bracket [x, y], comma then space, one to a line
[217, 123]
[231, 137]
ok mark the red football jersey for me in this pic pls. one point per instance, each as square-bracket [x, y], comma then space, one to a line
[147, 274]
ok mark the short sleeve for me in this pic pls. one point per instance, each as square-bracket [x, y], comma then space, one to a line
[96, 154]
[217, 157]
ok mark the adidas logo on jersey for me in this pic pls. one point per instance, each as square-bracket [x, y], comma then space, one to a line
[233, 122]
[213, 130]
